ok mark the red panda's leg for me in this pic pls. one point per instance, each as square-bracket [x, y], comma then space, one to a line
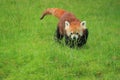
[83, 39]
[66, 40]
[58, 36]
[69, 42]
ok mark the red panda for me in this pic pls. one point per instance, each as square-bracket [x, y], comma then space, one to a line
[73, 29]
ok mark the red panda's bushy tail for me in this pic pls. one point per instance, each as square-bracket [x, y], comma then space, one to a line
[53, 11]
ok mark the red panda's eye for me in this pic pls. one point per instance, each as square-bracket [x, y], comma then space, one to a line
[77, 33]
[71, 33]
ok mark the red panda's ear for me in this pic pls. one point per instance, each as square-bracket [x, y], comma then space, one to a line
[67, 24]
[83, 24]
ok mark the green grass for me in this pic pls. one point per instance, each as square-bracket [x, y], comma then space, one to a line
[28, 50]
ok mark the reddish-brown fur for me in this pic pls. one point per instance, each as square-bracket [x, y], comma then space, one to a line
[63, 16]
[53, 11]
[68, 26]
[74, 22]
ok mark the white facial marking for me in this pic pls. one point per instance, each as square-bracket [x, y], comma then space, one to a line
[68, 33]
[81, 33]
[74, 36]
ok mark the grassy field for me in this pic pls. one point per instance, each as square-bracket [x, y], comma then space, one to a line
[28, 50]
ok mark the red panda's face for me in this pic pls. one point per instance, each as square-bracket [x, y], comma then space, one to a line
[75, 30]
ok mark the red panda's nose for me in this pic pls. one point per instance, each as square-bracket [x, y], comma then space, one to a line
[74, 37]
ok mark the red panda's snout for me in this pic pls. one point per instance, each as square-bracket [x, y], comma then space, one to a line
[74, 36]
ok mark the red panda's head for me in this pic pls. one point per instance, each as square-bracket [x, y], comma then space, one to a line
[74, 30]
